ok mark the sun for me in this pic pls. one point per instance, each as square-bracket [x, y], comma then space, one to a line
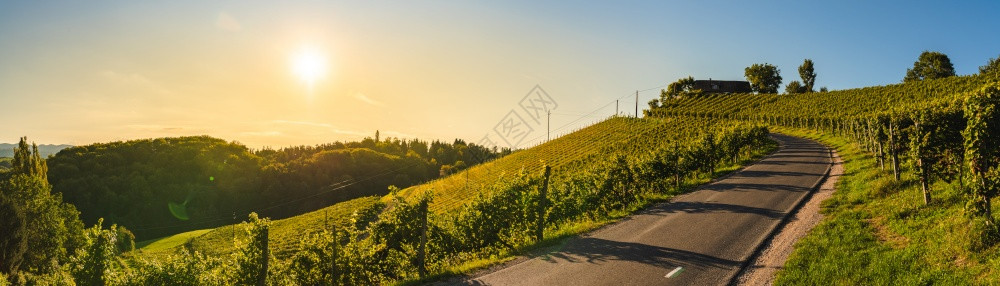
[309, 65]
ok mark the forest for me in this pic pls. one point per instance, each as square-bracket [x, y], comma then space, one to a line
[162, 186]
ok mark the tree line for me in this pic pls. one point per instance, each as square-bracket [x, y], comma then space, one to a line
[766, 78]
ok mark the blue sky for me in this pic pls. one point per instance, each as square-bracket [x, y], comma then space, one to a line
[98, 71]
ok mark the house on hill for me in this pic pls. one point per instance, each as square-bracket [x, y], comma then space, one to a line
[722, 86]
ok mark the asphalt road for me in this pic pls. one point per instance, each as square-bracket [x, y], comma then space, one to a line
[701, 238]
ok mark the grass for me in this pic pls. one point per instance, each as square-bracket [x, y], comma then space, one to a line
[284, 234]
[169, 242]
[878, 231]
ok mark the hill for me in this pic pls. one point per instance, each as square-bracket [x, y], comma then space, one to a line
[163, 186]
[45, 150]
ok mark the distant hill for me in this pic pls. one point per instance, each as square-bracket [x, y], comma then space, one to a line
[7, 149]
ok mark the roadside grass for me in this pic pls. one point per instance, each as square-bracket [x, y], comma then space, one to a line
[878, 231]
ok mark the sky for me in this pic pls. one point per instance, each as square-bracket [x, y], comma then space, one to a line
[97, 71]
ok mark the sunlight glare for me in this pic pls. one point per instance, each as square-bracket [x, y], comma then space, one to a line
[309, 65]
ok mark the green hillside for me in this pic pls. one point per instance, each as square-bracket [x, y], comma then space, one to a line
[566, 155]
[599, 173]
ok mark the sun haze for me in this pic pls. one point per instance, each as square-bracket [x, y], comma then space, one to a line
[309, 65]
[310, 72]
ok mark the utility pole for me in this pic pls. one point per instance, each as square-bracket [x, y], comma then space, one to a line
[616, 107]
[548, 127]
[636, 104]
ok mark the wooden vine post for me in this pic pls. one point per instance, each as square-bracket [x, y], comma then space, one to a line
[542, 205]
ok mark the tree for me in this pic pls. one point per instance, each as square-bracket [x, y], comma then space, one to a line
[794, 87]
[681, 87]
[808, 75]
[991, 67]
[56, 230]
[13, 242]
[930, 65]
[763, 78]
[29, 161]
[125, 239]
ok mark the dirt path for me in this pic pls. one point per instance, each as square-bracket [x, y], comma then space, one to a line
[774, 255]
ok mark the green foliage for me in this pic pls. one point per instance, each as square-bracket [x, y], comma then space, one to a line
[27, 161]
[680, 88]
[125, 241]
[55, 230]
[13, 243]
[808, 75]
[930, 65]
[250, 262]
[763, 78]
[794, 87]
[93, 264]
[992, 67]
[982, 147]
[5, 163]
[186, 268]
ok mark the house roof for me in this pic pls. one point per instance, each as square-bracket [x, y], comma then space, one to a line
[722, 86]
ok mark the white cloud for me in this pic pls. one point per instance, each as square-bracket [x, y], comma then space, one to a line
[366, 99]
[227, 23]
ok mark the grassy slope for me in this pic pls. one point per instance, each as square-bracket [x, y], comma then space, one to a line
[283, 235]
[878, 231]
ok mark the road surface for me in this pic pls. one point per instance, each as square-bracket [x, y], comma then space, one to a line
[701, 238]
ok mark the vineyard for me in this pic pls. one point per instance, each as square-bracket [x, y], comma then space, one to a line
[563, 187]
[923, 166]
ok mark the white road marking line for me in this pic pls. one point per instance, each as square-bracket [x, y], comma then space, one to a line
[674, 273]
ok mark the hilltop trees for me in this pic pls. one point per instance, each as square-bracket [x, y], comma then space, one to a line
[681, 87]
[992, 67]
[808, 75]
[28, 161]
[794, 87]
[763, 78]
[930, 65]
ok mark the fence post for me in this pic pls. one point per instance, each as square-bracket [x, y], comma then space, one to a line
[422, 251]
[262, 277]
[542, 205]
